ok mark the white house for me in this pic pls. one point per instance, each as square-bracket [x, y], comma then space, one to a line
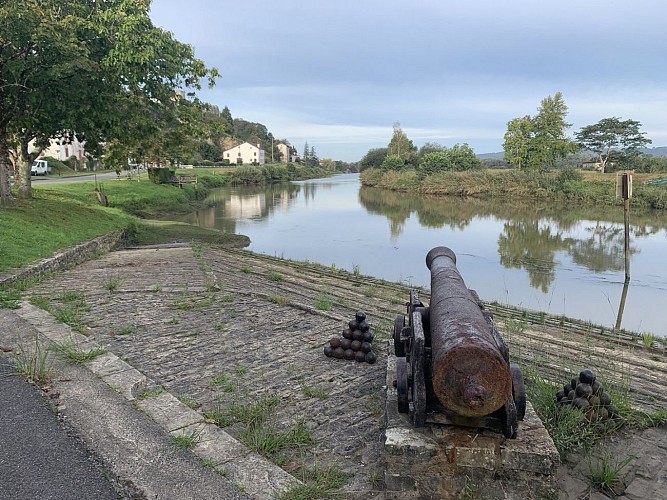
[62, 148]
[285, 153]
[245, 154]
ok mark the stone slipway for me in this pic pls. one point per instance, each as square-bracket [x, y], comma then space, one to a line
[178, 318]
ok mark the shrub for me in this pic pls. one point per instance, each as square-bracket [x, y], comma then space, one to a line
[393, 162]
[161, 175]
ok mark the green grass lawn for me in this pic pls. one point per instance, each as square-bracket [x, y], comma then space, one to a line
[62, 215]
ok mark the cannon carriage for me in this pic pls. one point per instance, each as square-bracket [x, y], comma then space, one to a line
[452, 365]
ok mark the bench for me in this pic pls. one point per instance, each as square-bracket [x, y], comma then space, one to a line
[185, 179]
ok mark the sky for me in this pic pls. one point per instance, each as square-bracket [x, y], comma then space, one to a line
[339, 74]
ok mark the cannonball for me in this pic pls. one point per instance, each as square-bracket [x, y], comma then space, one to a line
[363, 326]
[334, 342]
[368, 336]
[347, 333]
[360, 316]
[371, 357]
[565, 401]
[591, 415]
[349, 354]
[328, 351]
[366, 347]
[560, 395]
[357, 335]
[574, 383]
[586, 376]
[356, 345]
[597, 387]
[567, 388]
[603, 413]
[594, 401]
[580, 403]
[613, 411]
[584, 390]
[571, 395]
[339, 352]
[605, 399]
[360, 356]
[354, 324]
[345, 343]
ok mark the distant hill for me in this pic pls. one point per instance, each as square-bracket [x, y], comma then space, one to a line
[657, 151]
[491, 156]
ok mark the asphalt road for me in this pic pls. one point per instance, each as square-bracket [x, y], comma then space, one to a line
[53, 178]
[39, 457]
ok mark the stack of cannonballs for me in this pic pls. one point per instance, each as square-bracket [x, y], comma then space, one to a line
[355, 342]
[588, 395]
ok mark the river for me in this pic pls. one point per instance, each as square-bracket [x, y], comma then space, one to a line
[560, 260]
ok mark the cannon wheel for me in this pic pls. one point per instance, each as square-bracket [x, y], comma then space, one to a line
[402, 385]
[518, 391]
[418, 365]
[510, 422]
[399, 324]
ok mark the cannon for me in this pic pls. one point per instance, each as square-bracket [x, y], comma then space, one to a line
[452, 365]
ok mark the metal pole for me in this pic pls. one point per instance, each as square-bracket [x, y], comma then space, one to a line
[626, 219]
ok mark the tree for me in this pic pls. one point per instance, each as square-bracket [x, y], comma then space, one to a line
[90, 68]
[373, 158]
[400, 145]
[612, 137]
[459, 158]
[536, 142]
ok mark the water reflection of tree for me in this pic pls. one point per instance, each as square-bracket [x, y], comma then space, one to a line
[396, 209]
[603, 251]
[526, 244]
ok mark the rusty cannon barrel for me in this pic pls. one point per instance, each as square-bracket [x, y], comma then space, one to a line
[470, 375]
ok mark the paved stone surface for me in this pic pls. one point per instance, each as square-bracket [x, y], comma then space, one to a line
[217, 328]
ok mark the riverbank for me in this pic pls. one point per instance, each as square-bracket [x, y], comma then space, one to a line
[65, 214]
[566, 186]
[224, 330]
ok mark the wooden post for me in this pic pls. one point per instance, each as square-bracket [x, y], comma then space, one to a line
[624, 190]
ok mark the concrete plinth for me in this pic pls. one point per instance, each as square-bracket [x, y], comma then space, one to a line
[442, 462]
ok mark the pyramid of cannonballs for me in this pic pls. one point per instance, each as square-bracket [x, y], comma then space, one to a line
[588, 395]
[354, 342]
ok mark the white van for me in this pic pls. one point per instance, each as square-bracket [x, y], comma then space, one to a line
[40, 167]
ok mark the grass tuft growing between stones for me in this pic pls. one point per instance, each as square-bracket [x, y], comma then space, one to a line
[318, 483]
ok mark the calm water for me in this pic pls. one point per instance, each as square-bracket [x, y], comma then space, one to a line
[544, 258]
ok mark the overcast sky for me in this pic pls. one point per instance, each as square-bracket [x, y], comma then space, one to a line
[340, 73]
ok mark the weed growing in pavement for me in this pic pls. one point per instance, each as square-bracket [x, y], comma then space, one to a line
[240, 371]
[605, 472]
[156, 288]
[151, 393]
[71, 351]
[356, 271]
[246, 270]
[187, 441]
[112, 283]
[323, 301]
[222, 380]
[276, 277]
[267, 440]
[317, 483]
[281, 301]
[9, 299]
[370, 291]
[648, 339]
[314, 392]
[32, 364]
[126, 330]
[188, 401]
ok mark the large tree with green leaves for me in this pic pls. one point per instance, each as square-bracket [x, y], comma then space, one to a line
[613, 137]
[99, 69]
[539, 141]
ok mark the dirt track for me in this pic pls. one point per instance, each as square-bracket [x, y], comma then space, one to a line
[218, 326]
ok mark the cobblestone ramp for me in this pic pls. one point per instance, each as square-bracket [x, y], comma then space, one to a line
[218, 326]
